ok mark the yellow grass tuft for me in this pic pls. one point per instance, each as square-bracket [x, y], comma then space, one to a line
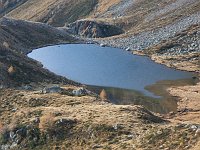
[11, 70]
[103, 95]
[46, 122]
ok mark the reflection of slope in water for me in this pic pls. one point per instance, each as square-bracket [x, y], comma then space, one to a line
[164, 104]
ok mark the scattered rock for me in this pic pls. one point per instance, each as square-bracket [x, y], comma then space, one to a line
[159, 132]
[117, 126]
[14, 110]
[79, 92]
[96, 146]
[128, 49]
[53, 89]
[197, 133]
[36, 120]
[26, 87]
[130, 136]
[193, 127]
[102, 45]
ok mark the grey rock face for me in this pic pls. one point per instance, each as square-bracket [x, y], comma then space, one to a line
[53, 89]
[92, 29]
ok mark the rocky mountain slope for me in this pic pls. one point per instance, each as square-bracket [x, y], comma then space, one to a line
[181, 51]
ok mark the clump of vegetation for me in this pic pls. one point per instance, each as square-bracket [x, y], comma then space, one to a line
[55, 128]
[179, 137]
[46, 122]
[103, 95]
[1, 127]
[4, 133]
[11, 70]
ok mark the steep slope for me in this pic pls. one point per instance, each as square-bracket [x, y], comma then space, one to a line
[149, 23]
[23, 36]
[54, 12]
[17, 39]
[143, 15]
[8, 5]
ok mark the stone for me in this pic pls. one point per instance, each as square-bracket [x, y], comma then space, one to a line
[130, 136]
[5, 147]
[79, 92]
[53, 89]
[14, 110]
[128, 49]
[1, 86]
[96, 146]
[37, 120]
[12, 135]
[27, 87]
[115, 126]
[197, 133]
[102, 45]
[193, 127]
[159, 132]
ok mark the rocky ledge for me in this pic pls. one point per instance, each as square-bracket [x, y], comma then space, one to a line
[93, 29]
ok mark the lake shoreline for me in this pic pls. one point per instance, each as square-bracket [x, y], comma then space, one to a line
[175, 91]
[168, 89]
[73, 50]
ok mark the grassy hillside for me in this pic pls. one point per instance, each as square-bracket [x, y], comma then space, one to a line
[131, 15]
[24, 36]
[8, 5]
[17, 39]
[54, 12]
[137, 16]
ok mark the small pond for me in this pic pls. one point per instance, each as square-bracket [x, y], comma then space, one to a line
[109, 68]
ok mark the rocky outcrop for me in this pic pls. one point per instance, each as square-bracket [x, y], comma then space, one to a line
[93, 29]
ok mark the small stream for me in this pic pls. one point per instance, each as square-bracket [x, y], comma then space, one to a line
[126, 78]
